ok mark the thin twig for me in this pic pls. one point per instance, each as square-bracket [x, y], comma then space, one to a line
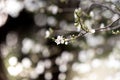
[109, 27]
[101, 5]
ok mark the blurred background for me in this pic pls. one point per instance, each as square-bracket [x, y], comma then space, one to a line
[29, 53]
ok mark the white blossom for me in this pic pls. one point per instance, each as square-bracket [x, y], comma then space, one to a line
[59, 40]
[47, 34]
[66, 42]
[92, 14]
[92, 30]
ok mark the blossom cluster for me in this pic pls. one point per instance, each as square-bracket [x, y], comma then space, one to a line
[61, 40]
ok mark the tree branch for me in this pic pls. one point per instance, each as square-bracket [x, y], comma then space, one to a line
[109, 27]
[102, 5]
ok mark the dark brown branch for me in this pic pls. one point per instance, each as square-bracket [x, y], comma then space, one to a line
[109, 27]
[94, 5]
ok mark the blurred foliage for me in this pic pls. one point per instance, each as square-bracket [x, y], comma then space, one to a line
[30, 53]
